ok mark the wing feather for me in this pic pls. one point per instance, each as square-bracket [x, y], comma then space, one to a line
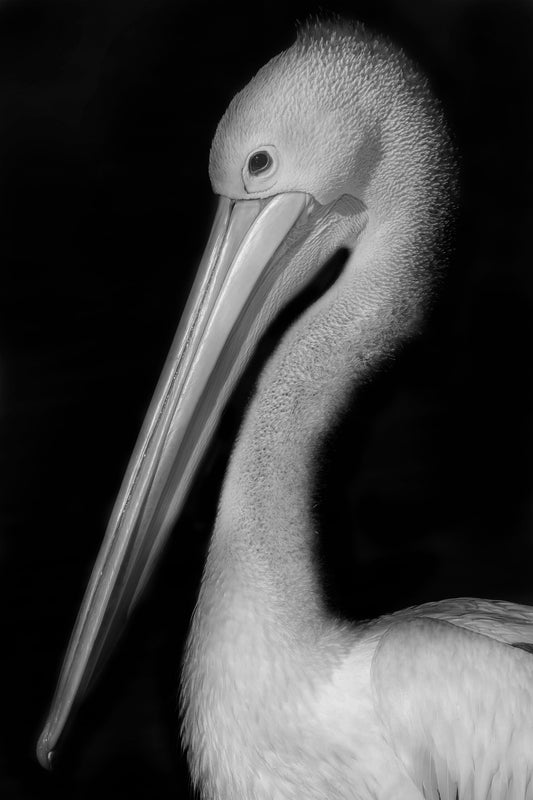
[457, 708]
[507, 622]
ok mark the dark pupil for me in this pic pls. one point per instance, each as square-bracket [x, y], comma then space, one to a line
[258, 162]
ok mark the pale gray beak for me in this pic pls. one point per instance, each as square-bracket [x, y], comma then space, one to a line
[231, 304]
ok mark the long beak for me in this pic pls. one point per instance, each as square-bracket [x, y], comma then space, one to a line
[230, 306]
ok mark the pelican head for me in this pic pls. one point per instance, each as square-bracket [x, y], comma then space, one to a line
[323, 117]
[335, 143]
[303, 124]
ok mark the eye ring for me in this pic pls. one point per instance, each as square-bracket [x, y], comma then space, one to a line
[259, 162]
[260, 169]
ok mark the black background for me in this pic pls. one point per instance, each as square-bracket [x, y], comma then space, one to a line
[107, 109]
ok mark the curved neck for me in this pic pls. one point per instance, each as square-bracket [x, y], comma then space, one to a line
[265, 533]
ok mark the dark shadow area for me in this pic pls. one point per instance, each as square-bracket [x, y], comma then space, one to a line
[107, 111]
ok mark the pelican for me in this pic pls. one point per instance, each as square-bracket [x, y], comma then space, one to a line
[337, 143]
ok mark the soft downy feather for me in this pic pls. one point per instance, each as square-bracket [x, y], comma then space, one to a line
[455, 699]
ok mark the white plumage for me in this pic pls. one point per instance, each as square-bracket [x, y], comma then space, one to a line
[336, 143]
[430, 702]
[281, 700]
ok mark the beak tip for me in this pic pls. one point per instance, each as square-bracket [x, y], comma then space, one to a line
[45, 756]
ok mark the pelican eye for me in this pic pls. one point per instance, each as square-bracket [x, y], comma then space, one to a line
[259, 162]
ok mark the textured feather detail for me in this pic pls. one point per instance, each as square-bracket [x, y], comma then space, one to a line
[507, 622]
[457, 708]
[524, 646]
